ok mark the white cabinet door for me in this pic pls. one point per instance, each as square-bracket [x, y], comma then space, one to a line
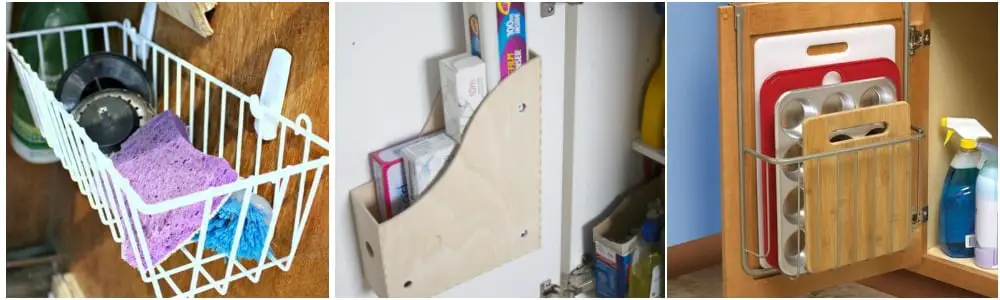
[612, 49]
[385, 79]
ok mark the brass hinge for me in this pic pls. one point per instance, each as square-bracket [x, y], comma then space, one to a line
[920, 216]
[918, 38]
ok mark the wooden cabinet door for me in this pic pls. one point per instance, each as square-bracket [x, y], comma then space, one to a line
[758, 20]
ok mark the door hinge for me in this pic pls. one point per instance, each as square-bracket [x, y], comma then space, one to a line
[581, 282]
[920, 216]
[549, 8]
[918, 38]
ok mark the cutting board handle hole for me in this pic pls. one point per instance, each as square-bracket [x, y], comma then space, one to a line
[826, 49]
[867, 130]
[832, 77]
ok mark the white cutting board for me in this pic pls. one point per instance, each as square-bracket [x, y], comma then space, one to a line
[786, 52]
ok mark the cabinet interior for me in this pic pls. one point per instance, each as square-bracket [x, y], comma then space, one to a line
[963, 76]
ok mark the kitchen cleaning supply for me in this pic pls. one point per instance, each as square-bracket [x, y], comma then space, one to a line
[791, 51]
[222, 227]
[422, 161]
[987, 209]
[644, 273]
[463, 87]
[47, 61]
[99, 71]
[111, 115]
[774, 87]
[161, 164]
[615, 243]
[496, 32]
[958, 203]
[390, 182]
[614, 250]
[652, 107]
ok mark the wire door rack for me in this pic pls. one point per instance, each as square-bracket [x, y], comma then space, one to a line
[216, 115]
[789, 208]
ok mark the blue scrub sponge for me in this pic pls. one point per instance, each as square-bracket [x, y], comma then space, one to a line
[222, 227]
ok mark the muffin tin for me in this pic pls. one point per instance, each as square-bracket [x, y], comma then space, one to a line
[791, 110]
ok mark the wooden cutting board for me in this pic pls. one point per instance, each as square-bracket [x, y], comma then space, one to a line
[869, 214]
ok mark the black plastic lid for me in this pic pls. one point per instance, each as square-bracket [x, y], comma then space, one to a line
[99, 71]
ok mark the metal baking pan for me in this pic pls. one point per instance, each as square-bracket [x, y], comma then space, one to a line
[791, 110]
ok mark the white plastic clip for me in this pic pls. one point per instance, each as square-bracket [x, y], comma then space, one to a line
[272, 94]
[146, 25]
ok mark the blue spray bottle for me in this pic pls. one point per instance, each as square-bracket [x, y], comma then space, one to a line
[958, 201]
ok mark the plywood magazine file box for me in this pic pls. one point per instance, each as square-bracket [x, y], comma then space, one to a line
[482, 211]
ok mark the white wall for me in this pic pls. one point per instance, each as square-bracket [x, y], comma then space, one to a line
[695, 210]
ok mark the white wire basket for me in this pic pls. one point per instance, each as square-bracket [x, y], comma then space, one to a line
[217, 124]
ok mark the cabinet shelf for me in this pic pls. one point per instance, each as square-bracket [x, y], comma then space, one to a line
[964, 263]
[655, 154]
[960, 272]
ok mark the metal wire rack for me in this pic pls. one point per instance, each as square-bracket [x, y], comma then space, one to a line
[216, 115]
[796, 258]
[763, 163]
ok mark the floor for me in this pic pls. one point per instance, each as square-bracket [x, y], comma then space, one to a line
[33, 281]
[707, 283]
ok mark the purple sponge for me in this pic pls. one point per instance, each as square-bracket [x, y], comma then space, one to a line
[161, 164]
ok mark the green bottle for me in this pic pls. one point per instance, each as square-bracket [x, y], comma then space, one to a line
[645, 274]
[47, 62]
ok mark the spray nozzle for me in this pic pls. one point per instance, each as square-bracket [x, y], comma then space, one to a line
[969, 129]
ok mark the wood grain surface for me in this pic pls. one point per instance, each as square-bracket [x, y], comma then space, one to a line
[859, 201]
[237, 53]
[191, 14]
[443, 240]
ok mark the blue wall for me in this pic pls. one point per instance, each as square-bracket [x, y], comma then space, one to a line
[693, 201]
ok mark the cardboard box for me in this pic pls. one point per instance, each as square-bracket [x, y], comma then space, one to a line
[390, 182]
[424, 160]
[615, 239]
[497, 33]
[463, 87]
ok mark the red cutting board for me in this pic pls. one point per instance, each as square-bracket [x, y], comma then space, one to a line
[776, 85]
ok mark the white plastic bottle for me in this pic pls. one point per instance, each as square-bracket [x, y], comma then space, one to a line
[986, 209]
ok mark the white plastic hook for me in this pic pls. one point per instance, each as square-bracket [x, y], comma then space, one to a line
[272, 94]
[146, 25]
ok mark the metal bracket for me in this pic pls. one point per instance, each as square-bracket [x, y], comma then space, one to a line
[580, 282]
[918, 39]
[549, 290]
[549, 8]
[920, 216]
